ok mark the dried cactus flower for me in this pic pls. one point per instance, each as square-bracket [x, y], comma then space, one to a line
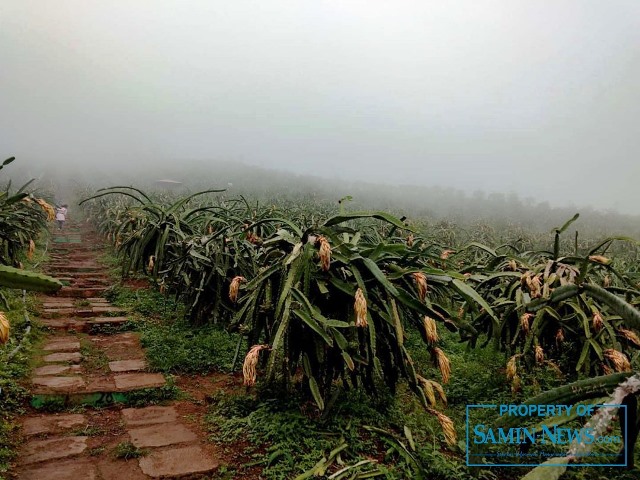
[49, 210]
[360, 307]
[513, 266]
[253, 238]
[630, 335]
[250, 362]
[512, 368]
[554, 366]
[535, 286]
[516, 384]
[447, 426]
[32, 249]
[152, 262]
[234, 287]
[410, 240]
[539, 354]
[5, 328]
[598, 321]
[428, 390]
[446, 253]
[600, 259]
[430, 329]
[619, 360]
[606, 281]
[560, 335]
[421, 285]
[443, 364]
[439, 391]
[525, 318]
[325, 253]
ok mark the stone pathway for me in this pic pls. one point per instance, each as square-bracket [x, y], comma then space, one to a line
[90, 374]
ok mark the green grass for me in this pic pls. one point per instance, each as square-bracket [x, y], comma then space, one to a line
[177, 347]
[126, 450]
[93, 359]
[154, 396]
[287, 439]
[13, 397]
[172, 345]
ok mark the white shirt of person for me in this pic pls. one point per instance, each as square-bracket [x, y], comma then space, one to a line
[61, 214]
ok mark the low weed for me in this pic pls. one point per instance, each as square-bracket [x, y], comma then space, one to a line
[13, 368]
[127, 450]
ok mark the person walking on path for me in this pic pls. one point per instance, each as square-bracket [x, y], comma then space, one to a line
[61, 216]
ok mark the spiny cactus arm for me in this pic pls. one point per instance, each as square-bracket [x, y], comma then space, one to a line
[570, 394]
[15, 278]
[629, 314]
[7, 162]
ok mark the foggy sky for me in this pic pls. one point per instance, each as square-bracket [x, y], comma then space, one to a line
[538, 97]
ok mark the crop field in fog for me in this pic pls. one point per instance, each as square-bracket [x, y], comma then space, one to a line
[291, 240]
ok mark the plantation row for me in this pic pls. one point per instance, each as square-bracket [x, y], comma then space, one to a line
[326, 299]
[23, 217]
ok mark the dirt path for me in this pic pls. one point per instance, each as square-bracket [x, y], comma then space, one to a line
[87, 373]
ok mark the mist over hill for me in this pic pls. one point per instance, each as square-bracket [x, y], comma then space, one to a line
[429, 204]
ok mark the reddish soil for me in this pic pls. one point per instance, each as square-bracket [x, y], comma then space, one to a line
[85, 445]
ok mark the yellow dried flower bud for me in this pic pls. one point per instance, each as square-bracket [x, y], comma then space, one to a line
[5, 328]
[430, 329]
[421, 285]
[325, 253]
[234, 287]
[360, 307]
[600, 259]
[250, 362]
[443, 364]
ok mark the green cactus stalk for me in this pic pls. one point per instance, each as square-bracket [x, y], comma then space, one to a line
[15, 278]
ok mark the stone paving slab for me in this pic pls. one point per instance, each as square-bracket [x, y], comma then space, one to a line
[107, 309]
[73, 267]
[61, 384]
[52, 423]
[63, 303]
[101, 384]
[63, 324]
[57, 312]
[63, 357]
[79, 276]
[127, 365]
[107, 320]
[122, 346]
[161, 435]
[78, 292]
[111, 469]
[41, 450]
[50, 299]
[177, 461]
[56, 370]
[134, 381]
[62, 470]
[134, 417]
[64, 345]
